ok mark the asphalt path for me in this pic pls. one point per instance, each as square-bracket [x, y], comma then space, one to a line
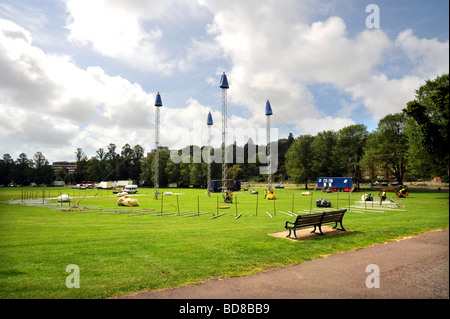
[411, 268]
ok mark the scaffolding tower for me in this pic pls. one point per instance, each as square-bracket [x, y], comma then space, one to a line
[158, 104]
[224, 86]
[269, 155]
[209, 122]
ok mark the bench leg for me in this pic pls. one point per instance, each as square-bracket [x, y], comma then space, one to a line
[289, 235]
[320, 229]
[342, 227]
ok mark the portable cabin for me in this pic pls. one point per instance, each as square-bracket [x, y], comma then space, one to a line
[336, 183]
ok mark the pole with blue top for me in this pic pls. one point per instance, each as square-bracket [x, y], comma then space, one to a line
[268, 114]
[209, 122]
[224, 86]
[158, 104]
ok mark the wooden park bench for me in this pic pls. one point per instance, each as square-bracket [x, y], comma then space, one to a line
[316, 220]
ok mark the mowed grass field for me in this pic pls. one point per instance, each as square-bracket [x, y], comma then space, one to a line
[126, 250]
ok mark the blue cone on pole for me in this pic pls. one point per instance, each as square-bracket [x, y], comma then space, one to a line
[268, 108]
[209, 120]
[158, 101]
[224, 81]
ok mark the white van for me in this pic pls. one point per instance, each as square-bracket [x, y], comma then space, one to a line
[130, 189]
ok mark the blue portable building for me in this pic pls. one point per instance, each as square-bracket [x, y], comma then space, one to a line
[216, 186]
[336, 183]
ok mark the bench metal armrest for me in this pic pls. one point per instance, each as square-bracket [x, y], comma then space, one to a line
[288, 222]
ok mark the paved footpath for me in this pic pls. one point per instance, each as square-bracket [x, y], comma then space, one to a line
[411, 268]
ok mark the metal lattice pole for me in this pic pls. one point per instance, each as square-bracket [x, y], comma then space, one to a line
[224, 86]
[224, 145]
[156, 175]
[269, 175]
[268, 151]
[208, 185]
[158, 104]
[209, 122]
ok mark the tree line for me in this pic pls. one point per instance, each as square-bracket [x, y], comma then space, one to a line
[411, 143]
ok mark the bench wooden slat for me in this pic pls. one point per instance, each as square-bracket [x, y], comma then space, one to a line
[316, 220]
[333, 216]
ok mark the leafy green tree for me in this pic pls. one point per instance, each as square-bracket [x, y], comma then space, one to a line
[94, 170]
[172, 172]
[135, 169]
[185, 174]
[125, 162]
[6, 169]
[23, 172]
[43, 172]
[61, 175]
[80, 173]
[322, 150]
[198, 174]
[299, 160]
[429, 130]
[112, 163]
[146, 175]
[164, 158]
[237, 172]
[283, 146]
[101, 165]
[387, 147]
[349, 151]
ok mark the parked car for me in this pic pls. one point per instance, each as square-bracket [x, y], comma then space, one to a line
[130, 189]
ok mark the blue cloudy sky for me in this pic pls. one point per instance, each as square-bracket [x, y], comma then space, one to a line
[84, 73]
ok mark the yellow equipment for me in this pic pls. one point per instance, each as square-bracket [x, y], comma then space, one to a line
[271, 196]
[401, 193]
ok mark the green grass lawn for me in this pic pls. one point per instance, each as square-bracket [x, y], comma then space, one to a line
[119, 254]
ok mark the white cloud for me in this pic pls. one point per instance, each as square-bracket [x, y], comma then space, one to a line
[131, 31]
[429, 56]
[383, 96]
[47, 100]
[326, 123]
[271, 50]
[275, 53]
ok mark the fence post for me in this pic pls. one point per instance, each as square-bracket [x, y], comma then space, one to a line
[257, 195]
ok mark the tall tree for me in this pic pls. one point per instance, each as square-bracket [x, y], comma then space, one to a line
[80, 173]
[6, 169]
[136, 159]
[172, 172]
[43, 173]
[22, 172]
[322, 150]
[387, 147]
[283, 146]
[349, 151]
[112, 159]
[430, 111]
[101, 165]
[299, 160]
[125, 162]
[146, 175]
